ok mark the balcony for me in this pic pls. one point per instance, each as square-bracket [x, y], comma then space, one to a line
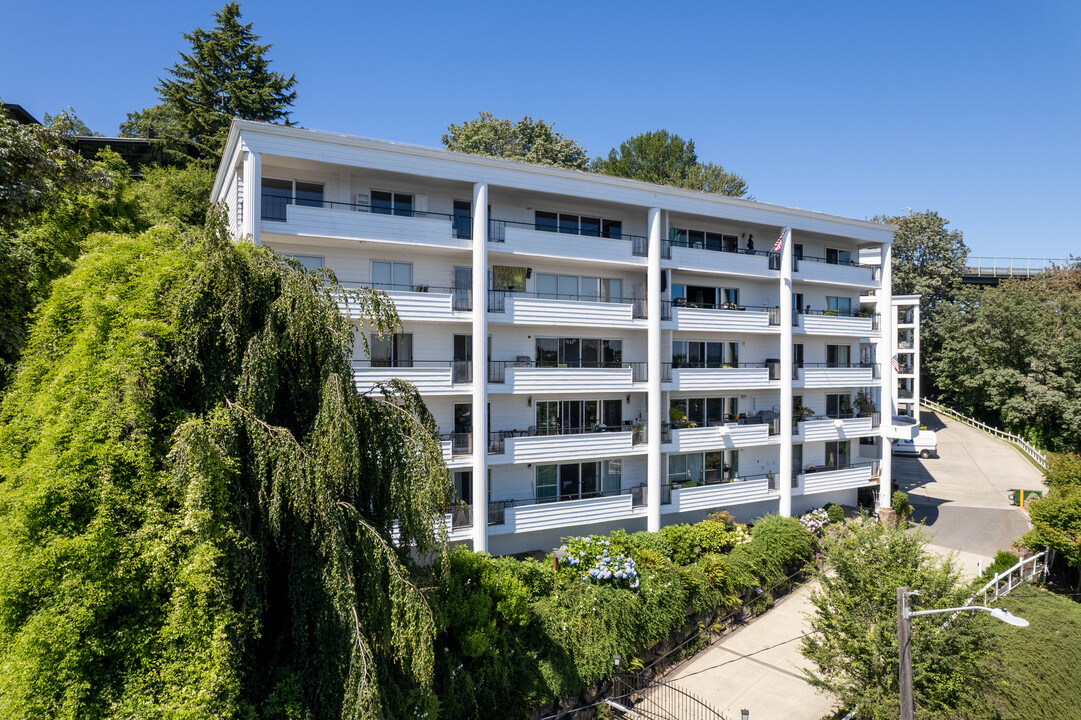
[511, 516]
[721, 318]
[431, 377]
[734, 376]
[834, 322]
[820, 270]
[521, 238]
[349, 221]
[754, 488]
[741, 433]
[829, 375]
[457, 449]
[827, 478]
[578, 310]
[416, 302]
[841, 427]
[755, 263]
[554, 444]
[528, 376]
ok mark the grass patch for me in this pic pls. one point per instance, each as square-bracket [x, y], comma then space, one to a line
[1039, 663]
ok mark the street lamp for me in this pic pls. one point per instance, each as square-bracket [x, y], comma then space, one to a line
[904, 639]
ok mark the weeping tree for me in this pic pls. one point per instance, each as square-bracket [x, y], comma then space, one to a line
[200, 515]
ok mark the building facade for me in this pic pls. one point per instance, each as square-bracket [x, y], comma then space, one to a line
[907, 351]
[597, 352]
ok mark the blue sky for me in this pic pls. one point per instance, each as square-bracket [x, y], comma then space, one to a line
[972, 109]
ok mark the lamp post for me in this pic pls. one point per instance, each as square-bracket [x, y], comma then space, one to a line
[904, 640]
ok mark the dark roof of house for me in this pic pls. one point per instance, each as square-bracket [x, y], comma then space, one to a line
[20, 114]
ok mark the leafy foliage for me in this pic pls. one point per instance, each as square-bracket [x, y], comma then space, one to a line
[928, 259]
[225, 74]
[1056, 523]
[38, 167]
[854, 645]
[522, 634]
[1063, 469]
[667, 159]
[38, 246]
[1011, 355]
[196, 506]
[528, 140]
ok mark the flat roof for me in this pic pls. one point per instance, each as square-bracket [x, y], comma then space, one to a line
[633, 192]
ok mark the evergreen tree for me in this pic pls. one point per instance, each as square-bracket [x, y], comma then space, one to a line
[226, 74]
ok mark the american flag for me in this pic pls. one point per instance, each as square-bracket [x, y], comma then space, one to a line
[780, 240]
[896, 365]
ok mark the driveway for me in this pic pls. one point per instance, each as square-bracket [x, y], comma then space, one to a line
[962, 496]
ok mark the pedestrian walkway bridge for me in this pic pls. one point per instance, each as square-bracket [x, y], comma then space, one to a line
[989, 270]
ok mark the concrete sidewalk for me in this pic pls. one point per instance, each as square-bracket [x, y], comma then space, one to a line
[757, 667]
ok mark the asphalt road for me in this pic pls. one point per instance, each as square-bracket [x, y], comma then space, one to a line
[962, 496]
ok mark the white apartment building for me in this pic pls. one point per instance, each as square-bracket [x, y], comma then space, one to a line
[598, 352]
[907, 352]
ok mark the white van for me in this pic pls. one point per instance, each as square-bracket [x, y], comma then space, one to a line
[925, 445]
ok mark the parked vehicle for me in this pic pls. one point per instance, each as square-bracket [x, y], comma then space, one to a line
[925, 445]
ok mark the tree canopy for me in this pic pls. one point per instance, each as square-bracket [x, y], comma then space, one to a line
[197, 507]
[528, 140]
[667, 159]
[928, 259]
[225, 74]
[1012, 354]
[853, 646]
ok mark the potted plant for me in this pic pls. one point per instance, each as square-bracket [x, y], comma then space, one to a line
[864, 406]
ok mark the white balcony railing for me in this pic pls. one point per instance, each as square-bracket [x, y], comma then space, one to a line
[817, 324]
[824, 376]
[842, 274]
[530, 310]
[349, 224]
[721, 320]
[719, 437]
[834, 428]
[705, 497]
[568, 513]
[437, 377]
[836, 479]
[730, 378]
[524, 376]
[553, 448]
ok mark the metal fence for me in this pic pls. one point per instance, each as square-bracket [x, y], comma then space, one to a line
[1022, 444]
[639, 696]
[1012, 267]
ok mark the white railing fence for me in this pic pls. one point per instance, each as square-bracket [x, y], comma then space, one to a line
[1030, 568]
[1022, 444]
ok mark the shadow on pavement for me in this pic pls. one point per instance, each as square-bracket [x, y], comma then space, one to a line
[909, 473]
[931, 420]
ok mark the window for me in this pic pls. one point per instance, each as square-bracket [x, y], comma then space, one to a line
[797, 355]
[693, 354]
[387, 203]
[838, 405]
[576, 481]
[463, 486]
[838, 257]
[570, 287]
[463, 219]
[391, 350]
[462, 367]
[702, 412]
[310, 262]
[720, 466]
[577, 225]
[392, 275]
[731, 297]
[837, 454]
[699, 239]
[797, 251]
[838, 356]
[683, 468]
[797, 303]
[277, 194]
[546, 489]
[578, 352]
[838, 306]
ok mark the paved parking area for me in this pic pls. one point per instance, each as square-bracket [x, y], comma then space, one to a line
[962, 496]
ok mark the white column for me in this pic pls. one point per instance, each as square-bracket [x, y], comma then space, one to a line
[887, 325]
[784, 477]
[916, 360]
[654, 414]
[480, 367]
[253, 195]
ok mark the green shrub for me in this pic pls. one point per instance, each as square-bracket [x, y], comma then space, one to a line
[900, 504]
[836, 513]
[653, 542]
[681, 539]
[1003, 561]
